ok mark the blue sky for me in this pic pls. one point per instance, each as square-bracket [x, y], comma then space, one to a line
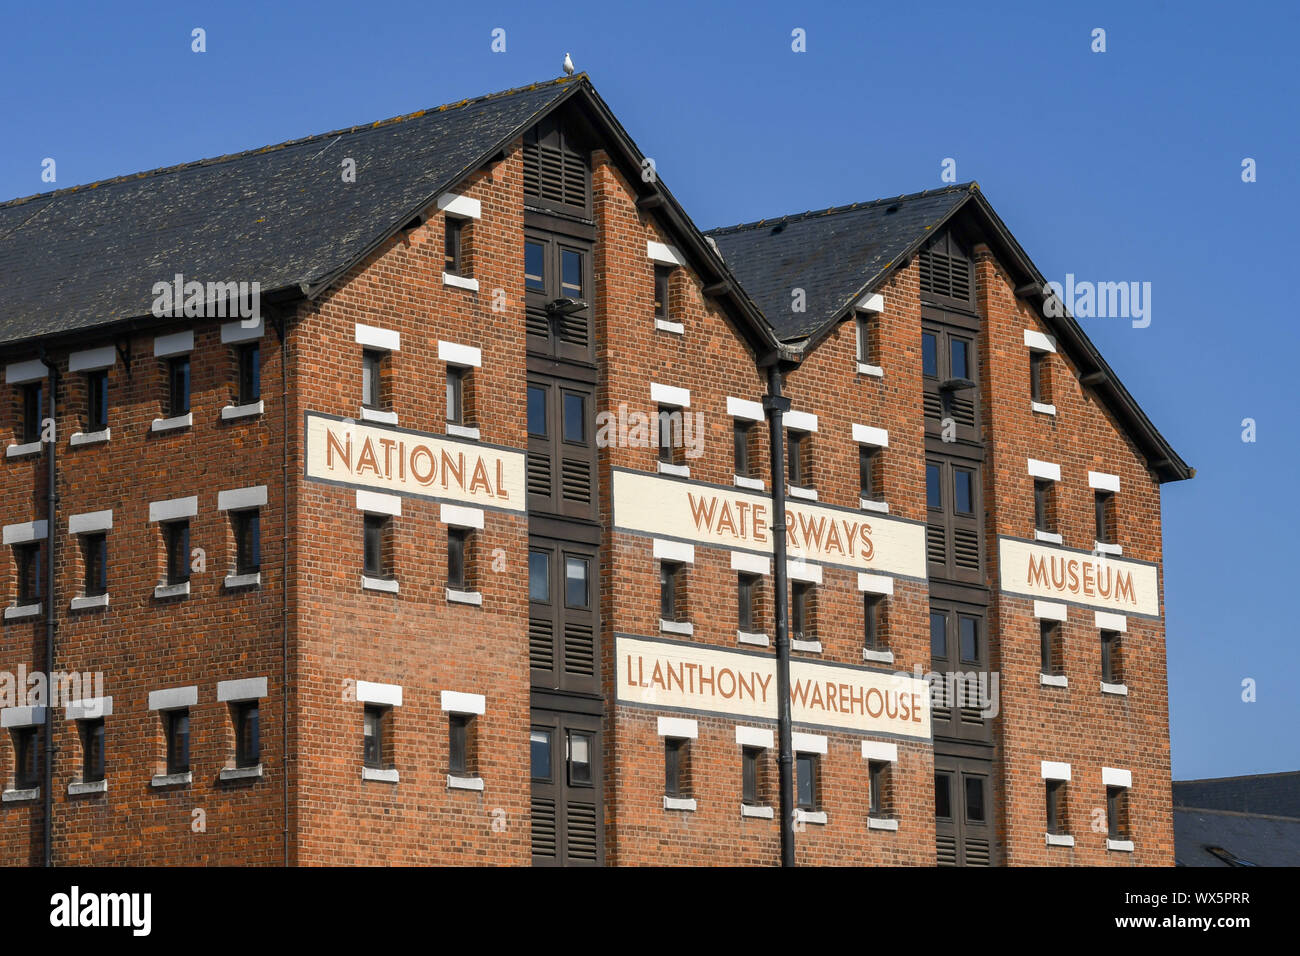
[1122, 165]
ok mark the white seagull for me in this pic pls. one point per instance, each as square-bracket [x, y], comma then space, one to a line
[568, 65]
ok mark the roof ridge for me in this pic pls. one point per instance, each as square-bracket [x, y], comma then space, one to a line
[1238, 813]
[315, 137]
[836, 210]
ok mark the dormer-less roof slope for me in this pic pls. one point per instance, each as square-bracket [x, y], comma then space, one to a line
[88, 256]
[838, 255]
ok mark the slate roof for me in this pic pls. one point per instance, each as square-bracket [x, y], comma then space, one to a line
[88, 256]
[1253, 819]
[1276, 794]
[831, 254]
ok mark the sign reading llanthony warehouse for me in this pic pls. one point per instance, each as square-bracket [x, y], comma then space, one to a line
[726, 518]
[1079, 577]
[696, 678]
[404, 462]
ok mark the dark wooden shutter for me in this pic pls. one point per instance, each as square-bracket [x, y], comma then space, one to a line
[946, 272]
[567, 814]
[962, 838]
[556, 169]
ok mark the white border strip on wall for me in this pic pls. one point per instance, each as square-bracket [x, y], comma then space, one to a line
[800, 421]
[1050, 610]
[1114, 777]
[239, 499]
[371, 337]
[174, 508]
[1039, 342]
[1106, 621]
[459, 516]
[1103, 482]
[808, 743]
[25, 532]
[755, 737]
[90, 360]
[868, 435]
[674, 551]
[1053, 770]
[90, 522]
[19, 373]
[662, 252]
[378, 503]
[670, 395]
[1044, 469]
[682, 728]
[464, 355]
[462, 207]
[368, 692]
[875, 583]
[247, 688]
[232, 332]
[174, 343]
[750, 563]
[455, 702]
[744, 408]
[173, 698]
[879, 750]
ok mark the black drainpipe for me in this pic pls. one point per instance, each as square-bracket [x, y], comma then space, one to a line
[51, 537]
[776, 405]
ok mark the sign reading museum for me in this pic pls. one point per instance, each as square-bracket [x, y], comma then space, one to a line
[1079, 577]
[404, 462]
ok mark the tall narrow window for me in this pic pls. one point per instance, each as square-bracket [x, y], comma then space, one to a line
[248, 540]
[249, 358]
[33, 411]
[176, 541]
[373, 739]
[1036, 365]
[662, 276]
[1111, 672]
[670, 575]
[676, 760]
[744, 432]
[1104, 511]
[458, 743]
[94, 554]
[806, 783]
[873, 631]
[178, 740]
[248, 733]
[455, 395]
[670, 434]
[1049, 634]
[750, 776]
[796, 444]
[867, 340]
[178, 386]
[27, 757]
[376, 552]
[868, 479]
[746, 589]
[878, 788]
[1055, 806]
[456, 545]
[1116, 813]
[1042, 505]
[28, 558]
[800, 616]
[97, 400]
[452, 229]
[372, 362]
[92, 749]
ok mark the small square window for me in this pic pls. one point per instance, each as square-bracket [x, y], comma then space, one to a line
[33, 410]
[176, 542]
[177, 724]
[248, 540]
[92, 749]
[249, 360]
[27, 757]
[247, 716]
[97, 400]
[457, 543]
[28, 558]
[806, 782]
[94, 555]
[178, 386]
[376, 718]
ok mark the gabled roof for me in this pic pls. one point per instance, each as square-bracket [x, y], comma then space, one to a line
[87, 257]
[832, 254]
[838, 255]
[1274, 794]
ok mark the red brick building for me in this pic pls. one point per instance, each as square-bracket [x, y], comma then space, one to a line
[405, 495]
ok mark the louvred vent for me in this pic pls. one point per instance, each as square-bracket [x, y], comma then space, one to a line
[555, 175]
[538, 322]
[539, 474]
[936, 551]
[579, 649]
[576, 480]
[580, 831]
[966, 548]
[543, 826]
[977, 853]
[945, 275]
[945, 849]
[541, 644]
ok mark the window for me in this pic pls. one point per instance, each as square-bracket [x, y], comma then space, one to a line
[968, 632]
[580, 758]
[178, 386]
[805, 783]
[1043, 505]
[676, 767]
[867, 343]
[178, 740]
[751, 791]
[868, 472]
[671, 580]
[796, 444]
[455, 395]
[1111, 671]
[94, 554]
[28, 558]
[376, 546]
[950, 376]
[933, 491]
[248, 359]
[247, 716]
[1049, 633]
[92, 749]
[458, 743]
[801, 611]
[534, 267]
[1037, 367]
[539, 753]
[576, 587]
[452, 229]
[954, 529]
[373, 749]
[671, 435]
[248, 540]
[96, 400]
[1104, 509]
[662, 276]
[1056, 822]
[27, 757]
[372, 367]
[878, 788]
[1116, 813]
[747, 589]
[873, 629]
[943, 795]
[456, 545]
[744, 437]
[32, 400]
[176, 543]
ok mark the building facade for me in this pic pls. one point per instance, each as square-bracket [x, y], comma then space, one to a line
[453, 540]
